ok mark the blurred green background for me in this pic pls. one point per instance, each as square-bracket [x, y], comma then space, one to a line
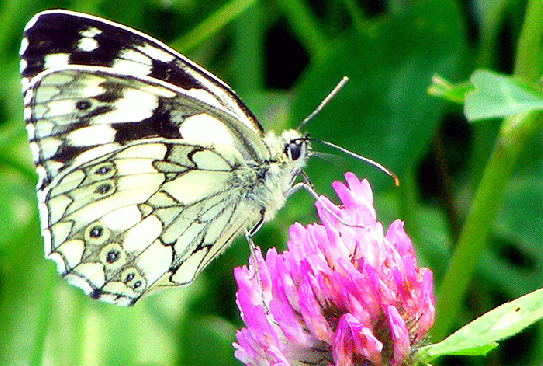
[283, 57]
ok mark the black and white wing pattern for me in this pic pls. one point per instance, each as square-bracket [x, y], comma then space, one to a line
[148, 165]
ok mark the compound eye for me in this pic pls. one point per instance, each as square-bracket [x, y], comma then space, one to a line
[294, 150]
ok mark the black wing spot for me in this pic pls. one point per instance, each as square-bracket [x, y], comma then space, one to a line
[112, 256]
[129, 277]
[96, 231]
[96, 234]
[102, 170]
[103, 188]
[96, 293]
[83, 104]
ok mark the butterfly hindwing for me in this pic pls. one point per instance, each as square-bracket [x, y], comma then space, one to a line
[150, 208]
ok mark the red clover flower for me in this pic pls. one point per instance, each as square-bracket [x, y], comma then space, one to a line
[340, 294]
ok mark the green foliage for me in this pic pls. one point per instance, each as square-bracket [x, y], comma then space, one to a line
[448, 91]
[481, 335]
[498, 96]
[389, 67]
[283, 58]
[489, 95]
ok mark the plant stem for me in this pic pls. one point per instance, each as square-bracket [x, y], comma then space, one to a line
[486, 203]
[514, 133]
[211, 25]
[305, 26]
[528, 57]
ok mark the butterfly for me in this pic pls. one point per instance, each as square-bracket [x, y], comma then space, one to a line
[148, 165]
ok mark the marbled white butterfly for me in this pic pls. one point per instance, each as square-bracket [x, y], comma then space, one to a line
[148, 165]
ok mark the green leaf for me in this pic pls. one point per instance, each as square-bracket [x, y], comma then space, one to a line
[384, 111]
[481, 335]
[452, 92]
[497, 96]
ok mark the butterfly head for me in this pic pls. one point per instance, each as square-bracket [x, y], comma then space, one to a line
[296, 146]
[292, 147]
[290, 152]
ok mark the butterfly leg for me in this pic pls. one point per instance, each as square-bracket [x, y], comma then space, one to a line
[252, 247]
[308, 186]
[249, 236]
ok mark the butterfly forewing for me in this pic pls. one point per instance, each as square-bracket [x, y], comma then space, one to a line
[55, 39]
[148, 165]
[74, 110]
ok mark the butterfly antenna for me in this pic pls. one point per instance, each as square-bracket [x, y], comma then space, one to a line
[359, 157]
[334, 91]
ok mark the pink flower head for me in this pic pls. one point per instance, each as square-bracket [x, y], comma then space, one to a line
[341, 294]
